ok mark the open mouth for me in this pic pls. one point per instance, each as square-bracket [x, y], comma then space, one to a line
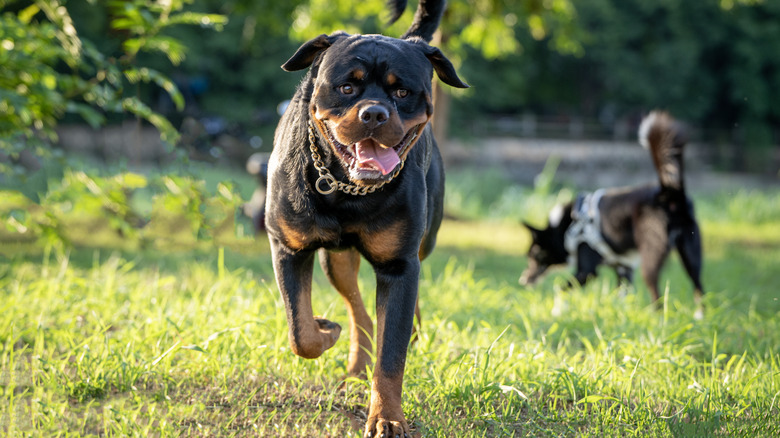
[368, 159]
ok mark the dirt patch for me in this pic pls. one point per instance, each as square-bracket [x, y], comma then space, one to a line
[590, 164]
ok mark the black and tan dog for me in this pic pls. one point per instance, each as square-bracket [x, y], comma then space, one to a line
[355, 171]
[630, 226]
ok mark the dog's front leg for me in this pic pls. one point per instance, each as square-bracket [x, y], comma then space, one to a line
[397, 284]
[309, 336]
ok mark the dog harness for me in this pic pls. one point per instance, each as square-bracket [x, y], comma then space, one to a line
[586, 228]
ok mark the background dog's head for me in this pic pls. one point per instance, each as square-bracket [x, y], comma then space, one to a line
[547, 245]
[371, 97]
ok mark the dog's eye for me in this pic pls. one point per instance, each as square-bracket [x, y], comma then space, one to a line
[347, 89]
[401, 93]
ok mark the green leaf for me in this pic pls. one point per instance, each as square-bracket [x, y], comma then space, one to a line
[593, 398]
[135, 106]
[193, 348]
[149, 75]
[88, 113]
[28, 13]
[126, 24]
[132, 180]
[12, 199]
[194, 18]
[171, 47]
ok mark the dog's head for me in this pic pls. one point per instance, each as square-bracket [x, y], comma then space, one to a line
[540, 256]
[371, 97]
[547, 245]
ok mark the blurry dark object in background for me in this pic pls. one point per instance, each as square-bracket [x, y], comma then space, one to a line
[212, 139]
[257, 165]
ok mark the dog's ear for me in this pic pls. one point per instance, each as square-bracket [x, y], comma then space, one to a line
[535, 232]
[307, 53]
[444, 69]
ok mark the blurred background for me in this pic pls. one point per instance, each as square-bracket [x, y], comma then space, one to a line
[170, 85]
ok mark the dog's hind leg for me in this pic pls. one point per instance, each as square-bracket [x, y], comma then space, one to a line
[653, 255]
[689, 247]
[625, 277]
[652, 238]
[309, 336]
[341, 268]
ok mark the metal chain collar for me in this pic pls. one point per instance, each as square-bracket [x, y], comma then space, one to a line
[330, 182]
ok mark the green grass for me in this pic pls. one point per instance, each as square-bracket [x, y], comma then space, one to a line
[110, 343]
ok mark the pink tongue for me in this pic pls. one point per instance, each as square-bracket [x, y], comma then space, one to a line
[370, 152]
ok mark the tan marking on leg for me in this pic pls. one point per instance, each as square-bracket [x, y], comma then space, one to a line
[385, 416]
[314, 335]
[341, 268]
[309, 337]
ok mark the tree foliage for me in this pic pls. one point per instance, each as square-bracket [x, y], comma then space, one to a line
[50, 70]
[713, 63]
[126, 210]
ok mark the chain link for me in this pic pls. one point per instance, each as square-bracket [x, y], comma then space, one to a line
[330, 182]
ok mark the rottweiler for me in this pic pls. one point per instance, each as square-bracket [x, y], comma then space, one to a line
[355, 171]
[627, 227]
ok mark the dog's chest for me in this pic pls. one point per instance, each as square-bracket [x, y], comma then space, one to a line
[309, 232]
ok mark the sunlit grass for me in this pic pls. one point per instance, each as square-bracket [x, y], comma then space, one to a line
[110, 343]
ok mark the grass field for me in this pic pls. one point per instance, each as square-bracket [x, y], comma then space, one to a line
[175, 343]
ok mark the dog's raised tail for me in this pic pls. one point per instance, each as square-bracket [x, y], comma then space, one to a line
[426, 18]
[665, 138]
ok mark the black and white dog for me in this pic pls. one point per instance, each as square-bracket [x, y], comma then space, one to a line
[627, 227]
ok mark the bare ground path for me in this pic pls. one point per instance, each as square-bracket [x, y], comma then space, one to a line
[589, 164]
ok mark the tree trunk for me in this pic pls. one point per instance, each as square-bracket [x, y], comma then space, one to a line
[440, 121]
[441, 104]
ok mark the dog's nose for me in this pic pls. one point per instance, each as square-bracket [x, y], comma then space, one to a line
[373, 115]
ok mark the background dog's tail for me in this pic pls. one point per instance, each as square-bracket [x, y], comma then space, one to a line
[665, 138]
[426, 19]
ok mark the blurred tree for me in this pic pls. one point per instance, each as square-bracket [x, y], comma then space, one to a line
[492, 30]
[713, 63]
[485, 29]
[238, 70]
[50, 70]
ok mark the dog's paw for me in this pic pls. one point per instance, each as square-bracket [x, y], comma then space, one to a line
[382, 428]
[329, 331]
[560, 305]
[312, 342]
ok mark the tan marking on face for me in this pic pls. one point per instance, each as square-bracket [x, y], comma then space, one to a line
[316, 111]
[358, 74]
[334, 121]
[421, 118]
[384, 244]
[419, 123]
[391, 79]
